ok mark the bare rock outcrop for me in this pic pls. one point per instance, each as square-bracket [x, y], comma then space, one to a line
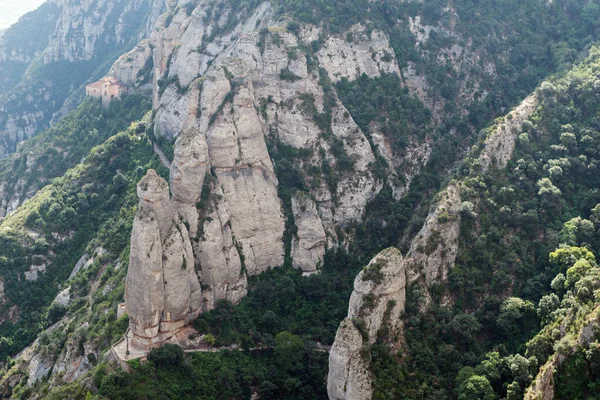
[433, 251]
[378, 299]
[379, 294]
[232, 93]
[369, 54]
[129, 67]
[349, 377]
[500, 144]
[310, 242]
[162, 290]
[188, 171]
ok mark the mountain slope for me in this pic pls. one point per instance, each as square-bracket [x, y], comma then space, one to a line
[534, 172]
[47, 56]
[311, 135]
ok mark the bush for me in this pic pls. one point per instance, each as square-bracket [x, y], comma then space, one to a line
[167, 356]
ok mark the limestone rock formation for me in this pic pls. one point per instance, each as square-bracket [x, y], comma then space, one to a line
[379, 294]
[162, 291]
[349, 377]
[310, 242]
[71, 40]
[499, 146]
[188, 171]
[128, 69]
[378, 299]
[228, 96]
[434, 249]
[364, 54]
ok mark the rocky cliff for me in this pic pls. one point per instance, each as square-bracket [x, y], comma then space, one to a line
[235, 91]
[269, 162]
[75, 41]
[162, 292]
[376, 304]
[432, 254]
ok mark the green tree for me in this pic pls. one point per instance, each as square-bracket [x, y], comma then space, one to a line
[476, 387]
[515, 316]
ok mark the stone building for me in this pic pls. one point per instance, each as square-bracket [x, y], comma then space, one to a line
[106, 89]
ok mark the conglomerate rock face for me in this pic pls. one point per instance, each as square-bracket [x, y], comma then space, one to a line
[227, 98]
[162, 291]
[378, 299]
[349, 377]
[74, 36]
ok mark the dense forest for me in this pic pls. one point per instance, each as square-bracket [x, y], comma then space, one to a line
[520, 302]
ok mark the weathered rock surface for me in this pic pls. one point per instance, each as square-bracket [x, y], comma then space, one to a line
[162, 290]
[129, 66]
[310, 241]
[433, 251]
[371, 55]
[349, 377]
[219, 259]
[380, 287]
[500, 144]
[227, 97]
[378, 298]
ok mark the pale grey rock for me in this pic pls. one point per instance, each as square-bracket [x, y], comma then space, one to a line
[378, 298]
[37, 369]
[153, 192]
[108, 288]
[71, 362]
[144, 290]
[310, 241]
[358, 187]
[64, 297]
[239, 156]
[500, 144]
[127, 68]
[372, 55]
[182, 289]
[219, 260]
[188, 170]
[433, 251]
[162, 291]
[255, 215]
[387, 290]
[189, 167]
[34, 271]
[349, 377]
[2, 294]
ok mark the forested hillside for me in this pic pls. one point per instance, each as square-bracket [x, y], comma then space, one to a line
[298, 140]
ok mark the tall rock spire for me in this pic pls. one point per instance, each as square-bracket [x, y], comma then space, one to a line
[162, 292]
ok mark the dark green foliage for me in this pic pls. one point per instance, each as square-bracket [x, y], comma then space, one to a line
[578, 378]
[503, 251]
[399, 115]
[169, 356]
[282, 300]
[75, 135]
[292, 369]
[373, 272]
[288, 75]
[96, 198]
